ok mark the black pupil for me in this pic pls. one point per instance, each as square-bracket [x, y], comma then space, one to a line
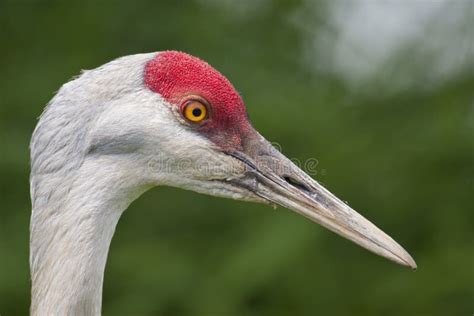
[197, 112]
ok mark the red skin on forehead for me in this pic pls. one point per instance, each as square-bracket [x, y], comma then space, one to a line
[174, 75]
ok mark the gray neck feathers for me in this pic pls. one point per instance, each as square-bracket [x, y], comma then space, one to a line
[77, 201]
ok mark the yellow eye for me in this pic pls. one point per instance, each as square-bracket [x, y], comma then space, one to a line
[195, 111]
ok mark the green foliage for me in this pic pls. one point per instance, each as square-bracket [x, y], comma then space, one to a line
[404, 159]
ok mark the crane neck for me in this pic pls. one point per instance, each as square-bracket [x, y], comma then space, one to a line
[72, 225]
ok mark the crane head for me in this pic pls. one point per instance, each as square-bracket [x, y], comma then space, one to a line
[192, 131]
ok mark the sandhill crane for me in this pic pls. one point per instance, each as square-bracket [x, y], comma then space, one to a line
[146, 120]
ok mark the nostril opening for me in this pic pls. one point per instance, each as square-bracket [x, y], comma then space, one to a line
[296, 183]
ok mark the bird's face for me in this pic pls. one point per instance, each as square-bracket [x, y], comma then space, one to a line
[202, 140]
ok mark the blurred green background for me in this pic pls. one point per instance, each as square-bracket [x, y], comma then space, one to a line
[381, 93]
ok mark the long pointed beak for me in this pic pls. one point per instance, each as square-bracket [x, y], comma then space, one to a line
[273, 177]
